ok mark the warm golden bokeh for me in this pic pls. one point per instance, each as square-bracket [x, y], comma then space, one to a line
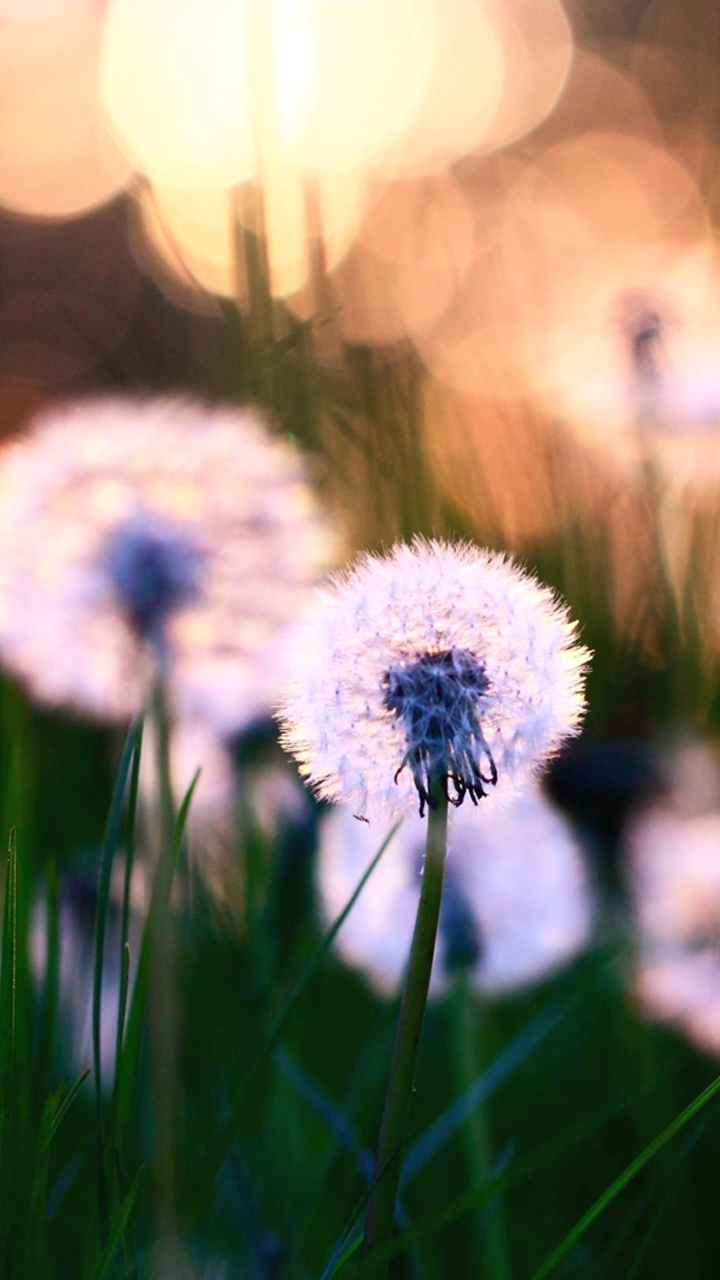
[310, 82]
[57, 159]
[311, 100]
[411, 252]
[538, 51]
[508, 469]
[187, 240]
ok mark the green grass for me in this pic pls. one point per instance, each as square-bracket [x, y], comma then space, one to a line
[553, 1133]
[604, 1132]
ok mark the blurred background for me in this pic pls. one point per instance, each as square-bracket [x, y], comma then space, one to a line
[463, 258]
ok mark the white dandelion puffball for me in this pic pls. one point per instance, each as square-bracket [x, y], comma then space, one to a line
[516, 904]
[153, 529]
[437, 662]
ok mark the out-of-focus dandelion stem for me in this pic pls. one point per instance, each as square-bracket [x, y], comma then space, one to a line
[467, 1017]
[393, 1126]
[161, 726]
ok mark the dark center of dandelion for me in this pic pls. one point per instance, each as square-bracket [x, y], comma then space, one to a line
[437, 698]
[154, 568]
[645, 327]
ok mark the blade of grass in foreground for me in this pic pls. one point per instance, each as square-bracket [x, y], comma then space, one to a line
[453, 1117]
[530, 1165]
[627, 1175]
[51, 984]
[25, 1114]
[8, 1062]
[110, 843]
[18, 1123]
[345, 1247]
[103, 1267]
[63, 1101]
[8, 1008]
[281, 1020]
[668, 1174]
[125, 934]
[213, 1160]
[510, 1058]
[159, 904]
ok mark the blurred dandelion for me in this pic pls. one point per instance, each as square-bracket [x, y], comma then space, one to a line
[645, 354]
[516, 900]
[673, 873]
[437, 660]
[159, 536]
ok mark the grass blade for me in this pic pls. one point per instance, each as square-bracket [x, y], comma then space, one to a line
[162, 886]
[627, 1175]
[487, 1083]
[110, 843]
[8, 1003]
[51, 986]
[8, 1034]
[63, 1104]
[215, 1156]
[124, 935]
[111, 1248]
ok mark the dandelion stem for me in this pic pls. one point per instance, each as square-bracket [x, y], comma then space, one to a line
[394, 1123]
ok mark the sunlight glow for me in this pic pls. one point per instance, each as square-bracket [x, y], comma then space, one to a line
[56, 157]
[302, 98]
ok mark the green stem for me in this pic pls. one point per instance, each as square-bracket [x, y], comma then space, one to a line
[394, 1123]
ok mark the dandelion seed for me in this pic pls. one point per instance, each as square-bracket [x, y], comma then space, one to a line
[437, 662]
[154, 531]
[517, 901]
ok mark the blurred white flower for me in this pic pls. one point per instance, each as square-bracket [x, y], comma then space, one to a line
[437, 660]
[632, 365]
[516, 900]
[161, 530]
[673, 872]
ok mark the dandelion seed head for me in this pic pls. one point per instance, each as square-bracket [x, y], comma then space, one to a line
[133, 524]
[437, 658]
[436, 697]
[517, 899]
